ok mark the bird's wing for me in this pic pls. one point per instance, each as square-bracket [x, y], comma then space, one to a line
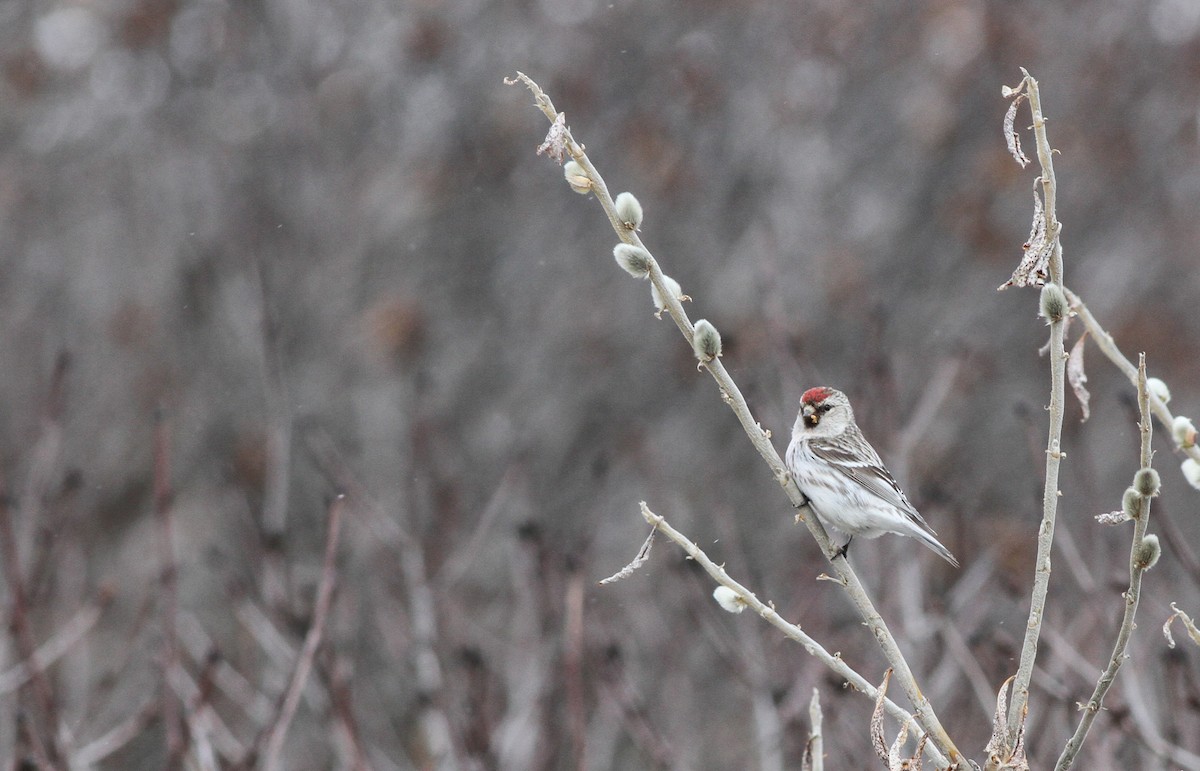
[869, 473]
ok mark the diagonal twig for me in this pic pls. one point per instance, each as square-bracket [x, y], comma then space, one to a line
[759, 437]
[768, 613]
[312, 640]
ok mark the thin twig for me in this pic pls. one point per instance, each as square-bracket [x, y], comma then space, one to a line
[1104, 341]
[337, 679]
[760, 438]
[422, 601]
[168, 575]
[278, 441]
[1137, 567]
[116, 737]
[233, 684]
[208, 730]
[816, 742]
[1041, 576]
[312, 640]
[63, 640]
[43, 731]
[767, 611]
[573, 664]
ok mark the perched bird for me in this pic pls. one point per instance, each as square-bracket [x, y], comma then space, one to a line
[845, 481]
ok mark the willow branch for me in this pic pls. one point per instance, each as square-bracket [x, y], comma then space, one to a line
[1054, 454]
[816, 743]
[767, 611]
[760, 438]
[1104, 341]
[1138, 565]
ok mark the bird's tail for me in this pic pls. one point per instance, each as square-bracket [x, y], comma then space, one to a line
[936, 546]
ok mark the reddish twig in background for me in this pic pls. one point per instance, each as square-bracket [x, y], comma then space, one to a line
[337, 675]
[42, 731]
[43, 459]
[278, 451]
[116, 737]
[168, 579]
[573, 663]
[312, 640]
[63, 640]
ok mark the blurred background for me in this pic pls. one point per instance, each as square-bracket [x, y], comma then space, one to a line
[308, 246]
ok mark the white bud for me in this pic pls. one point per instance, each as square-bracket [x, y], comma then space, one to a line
[729, 599]
[1147, 482]
[577, 178]
[673, 289]
[634, 259]
[706, 341]
[629, 211]
[1054, 303]
[1191, 472]
[1159, 389]
[1131, 503]
[1183, 431]
[1148, 552]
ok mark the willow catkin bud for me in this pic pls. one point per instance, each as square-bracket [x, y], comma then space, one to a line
[1147, 482]
[1130, 502]
[629, 211]
[1191, 472]
[1183, 431]
[1054, 303]
[577, 178]
[634, 259]
[673, 289]
[729, 599]
[1148, 552]
[1159, 389]
[706, 341]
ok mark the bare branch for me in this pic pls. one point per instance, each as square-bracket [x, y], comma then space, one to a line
[42, 731]
[814, 751]
[1139, 563]
[168, 575]
[1054, 454]
[55, 647]
[760, 438]
[1104, 341]
[768, 613]
[642, 556]
[312, 640]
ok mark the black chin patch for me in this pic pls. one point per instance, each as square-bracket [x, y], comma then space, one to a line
[812, 420]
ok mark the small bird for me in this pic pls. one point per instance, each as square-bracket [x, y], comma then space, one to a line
[846, 482]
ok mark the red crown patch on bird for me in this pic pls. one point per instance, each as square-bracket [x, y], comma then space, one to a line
[815, 395]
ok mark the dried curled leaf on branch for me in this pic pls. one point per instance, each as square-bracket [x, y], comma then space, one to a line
[1000, 755]
[891, 756]
[1077, 377]
[556, 140]
[1011, 137]
[1034, 268]
[1188, 625]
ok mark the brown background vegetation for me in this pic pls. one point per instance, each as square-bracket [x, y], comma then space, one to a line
[315, 235]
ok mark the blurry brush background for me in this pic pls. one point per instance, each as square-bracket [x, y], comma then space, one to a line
[314, 240]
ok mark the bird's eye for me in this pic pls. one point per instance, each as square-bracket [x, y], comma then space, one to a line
[825, 407]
